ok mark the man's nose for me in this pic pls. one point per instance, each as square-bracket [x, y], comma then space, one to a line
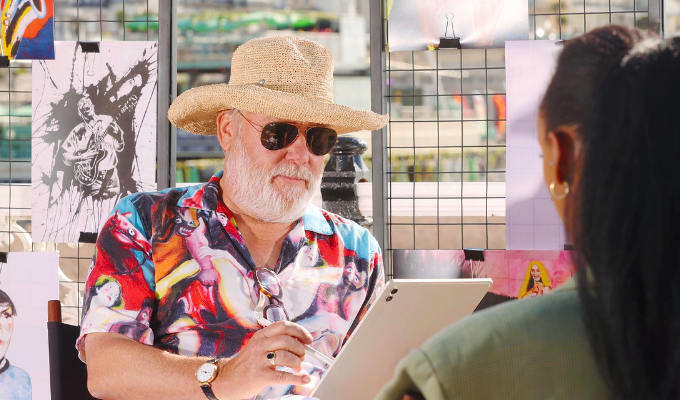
[298, 151]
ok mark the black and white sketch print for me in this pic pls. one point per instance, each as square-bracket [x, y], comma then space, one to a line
[94, 135]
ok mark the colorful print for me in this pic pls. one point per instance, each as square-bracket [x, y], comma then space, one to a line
[28, 280]
[536, 281]
[515, 273]
[171, 270]
[15, 383]
[27, 29]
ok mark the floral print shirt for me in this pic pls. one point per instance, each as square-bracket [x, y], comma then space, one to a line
[171, 270]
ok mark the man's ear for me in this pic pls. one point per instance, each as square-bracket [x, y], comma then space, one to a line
[562, 144]
[226, 129]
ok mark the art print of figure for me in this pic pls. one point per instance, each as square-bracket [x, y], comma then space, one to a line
[28, 280]
[93, 135]
[15, 383]
[536, 281]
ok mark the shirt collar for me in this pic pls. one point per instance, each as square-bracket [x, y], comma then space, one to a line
[208, 197]
[4, 365]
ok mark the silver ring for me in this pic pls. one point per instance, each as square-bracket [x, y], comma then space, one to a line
[271, 357]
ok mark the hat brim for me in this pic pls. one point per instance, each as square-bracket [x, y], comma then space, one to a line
[196, 109]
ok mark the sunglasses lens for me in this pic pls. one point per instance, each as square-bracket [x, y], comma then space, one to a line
[278, 135]
[268, 281]
[321, 140]
[275, 313]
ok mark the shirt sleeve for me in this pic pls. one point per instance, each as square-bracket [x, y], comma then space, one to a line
[414, 375]
[119, 292]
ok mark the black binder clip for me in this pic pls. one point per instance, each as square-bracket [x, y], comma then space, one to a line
[474, 254]
[89, 47]
[446, 41]
[3, 257]
[87, 237]
[4, 62]
[474, 257]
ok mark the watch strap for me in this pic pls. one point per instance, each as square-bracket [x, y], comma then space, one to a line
[207, 390]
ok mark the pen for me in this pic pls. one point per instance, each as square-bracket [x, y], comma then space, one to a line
[319, 355]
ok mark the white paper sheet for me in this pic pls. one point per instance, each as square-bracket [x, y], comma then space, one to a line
[531, 220]
[418, 24]
[104, 102]
[30, 280]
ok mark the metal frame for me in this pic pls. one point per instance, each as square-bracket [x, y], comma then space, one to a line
[166, 145]
[656, 16]
[378, 136]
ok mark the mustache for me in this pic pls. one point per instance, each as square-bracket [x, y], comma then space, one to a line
[291, 170]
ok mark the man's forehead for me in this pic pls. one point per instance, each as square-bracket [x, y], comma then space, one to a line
[5, 307]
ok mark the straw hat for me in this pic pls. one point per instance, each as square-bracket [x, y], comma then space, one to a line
[282, 77]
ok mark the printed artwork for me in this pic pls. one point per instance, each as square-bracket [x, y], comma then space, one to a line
[531, 220]
[94, 135]
[27, 282]
[27, 31]
[516, 274]
[419, 24]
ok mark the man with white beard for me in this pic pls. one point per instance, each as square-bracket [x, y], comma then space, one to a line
[246, 277]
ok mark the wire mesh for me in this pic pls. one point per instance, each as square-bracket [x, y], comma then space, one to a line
[80, 20]
[445, 144]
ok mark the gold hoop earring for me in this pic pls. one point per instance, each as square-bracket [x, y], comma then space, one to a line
[554, 194]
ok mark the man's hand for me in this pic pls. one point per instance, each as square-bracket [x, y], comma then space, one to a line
[248, 373]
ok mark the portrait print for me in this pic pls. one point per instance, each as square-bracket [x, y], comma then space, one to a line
[94, 135]
[27, 282]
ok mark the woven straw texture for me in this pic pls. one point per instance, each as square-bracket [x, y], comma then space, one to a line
[282, 77]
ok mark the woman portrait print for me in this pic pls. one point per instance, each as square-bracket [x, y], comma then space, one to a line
[15, 383]
[536, 281]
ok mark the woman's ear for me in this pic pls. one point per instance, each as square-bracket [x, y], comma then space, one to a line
[225, 129]
[562, 153]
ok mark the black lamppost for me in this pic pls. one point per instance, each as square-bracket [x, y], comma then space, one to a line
[344, 170]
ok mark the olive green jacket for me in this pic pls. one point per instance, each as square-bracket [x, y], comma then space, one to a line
[526, 349]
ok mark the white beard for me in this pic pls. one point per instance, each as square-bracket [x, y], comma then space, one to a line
[252, 191]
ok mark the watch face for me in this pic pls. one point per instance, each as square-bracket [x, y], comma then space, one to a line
[206, 372]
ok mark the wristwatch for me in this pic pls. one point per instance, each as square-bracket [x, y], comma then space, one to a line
[205, 374]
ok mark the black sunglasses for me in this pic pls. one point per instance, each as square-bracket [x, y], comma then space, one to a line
[278, 135]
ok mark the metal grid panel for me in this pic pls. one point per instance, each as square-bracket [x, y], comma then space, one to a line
[83, 20]
[445, 142]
